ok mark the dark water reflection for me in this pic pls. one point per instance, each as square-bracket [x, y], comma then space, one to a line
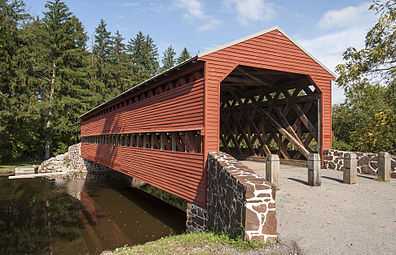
[38, 216]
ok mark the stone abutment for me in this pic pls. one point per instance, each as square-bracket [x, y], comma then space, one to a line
[239, 202]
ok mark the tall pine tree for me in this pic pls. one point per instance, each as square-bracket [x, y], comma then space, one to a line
[168, 60]
[101, 61]
[184, 55]
[121, 76]
[103, 42]
[12, 16]
[143, 57]
[64, 84]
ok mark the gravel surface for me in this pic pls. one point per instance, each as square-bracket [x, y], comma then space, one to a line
[335, 218]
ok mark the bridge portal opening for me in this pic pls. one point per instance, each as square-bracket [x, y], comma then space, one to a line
[265, 111]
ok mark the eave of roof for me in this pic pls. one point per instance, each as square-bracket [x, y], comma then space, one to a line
[140, 85]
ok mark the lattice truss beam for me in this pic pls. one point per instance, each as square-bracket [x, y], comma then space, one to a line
[276, 114]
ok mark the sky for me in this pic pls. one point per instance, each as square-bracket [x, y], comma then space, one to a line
[325, 28]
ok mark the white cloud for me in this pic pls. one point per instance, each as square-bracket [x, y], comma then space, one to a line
[195, 10]
[252, 10]
[351, 24]
[356, 15]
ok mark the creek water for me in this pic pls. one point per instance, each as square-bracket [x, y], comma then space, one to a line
[41, 216]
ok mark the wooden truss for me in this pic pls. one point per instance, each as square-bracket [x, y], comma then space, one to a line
[259, 120]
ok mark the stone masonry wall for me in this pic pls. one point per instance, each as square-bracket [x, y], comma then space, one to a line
[76, 161]
[239, 202]
[197, 218]
[367, 162]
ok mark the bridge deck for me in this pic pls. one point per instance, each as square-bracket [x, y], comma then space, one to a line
[335, 218]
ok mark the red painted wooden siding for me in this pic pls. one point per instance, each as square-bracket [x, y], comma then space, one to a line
[178, 109]
[178, 173]
[272, 50]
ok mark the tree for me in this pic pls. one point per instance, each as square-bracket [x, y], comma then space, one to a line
[103, 43]
[151, 56]
[48, 77]
[378, 58]
[64, 82]
[364, 122]
[143, 56]
[101, 75]
[12, 17]
[118, 49]
[184, 55]
[168, 59]
[121, 76]
[368, 118]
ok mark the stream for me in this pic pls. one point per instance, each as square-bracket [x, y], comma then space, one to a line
[41, 216]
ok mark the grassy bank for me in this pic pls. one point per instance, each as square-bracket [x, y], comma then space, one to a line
[207, 243]
[8, 169]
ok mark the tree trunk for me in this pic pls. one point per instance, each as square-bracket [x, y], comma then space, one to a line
[48, 138]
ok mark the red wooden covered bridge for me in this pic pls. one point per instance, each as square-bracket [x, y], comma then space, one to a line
[259, 95]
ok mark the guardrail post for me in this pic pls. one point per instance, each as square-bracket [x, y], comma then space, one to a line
[272, 167]
[350, 168]
[384, 166]
[314, 169]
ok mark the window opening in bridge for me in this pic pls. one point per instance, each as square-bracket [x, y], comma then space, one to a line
[183, 141]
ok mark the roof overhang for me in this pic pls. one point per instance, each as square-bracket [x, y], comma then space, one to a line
[140, 85]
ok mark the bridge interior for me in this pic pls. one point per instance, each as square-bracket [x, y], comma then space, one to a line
[265, 111]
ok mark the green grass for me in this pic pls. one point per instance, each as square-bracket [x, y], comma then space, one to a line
[193, 243]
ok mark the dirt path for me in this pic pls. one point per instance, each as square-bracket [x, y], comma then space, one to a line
[335, 218]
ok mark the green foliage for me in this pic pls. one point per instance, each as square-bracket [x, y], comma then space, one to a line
[366, 122]
[143, 56]
[168, 60]
[48, 77]
[184, 55]
[103, 43]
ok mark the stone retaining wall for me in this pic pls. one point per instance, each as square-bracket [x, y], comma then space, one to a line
[367, 162]
[197, 218]
[239, 202]
[76, 161]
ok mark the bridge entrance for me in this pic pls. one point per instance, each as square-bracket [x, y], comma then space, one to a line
[265, 111]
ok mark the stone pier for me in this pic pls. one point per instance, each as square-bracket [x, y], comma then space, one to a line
[384, 166]
[350, 169]
[272, 168]
[314, 170]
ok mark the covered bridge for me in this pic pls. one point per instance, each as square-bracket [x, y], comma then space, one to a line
[259, 95]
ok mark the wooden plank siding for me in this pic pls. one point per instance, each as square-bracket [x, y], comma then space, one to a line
[180, 108]
[272, 50]
[178, 173]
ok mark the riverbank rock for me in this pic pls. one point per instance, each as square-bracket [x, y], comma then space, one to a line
[60, 163]
[71, 161]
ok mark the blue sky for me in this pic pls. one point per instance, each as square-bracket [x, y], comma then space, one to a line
[323, 27]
